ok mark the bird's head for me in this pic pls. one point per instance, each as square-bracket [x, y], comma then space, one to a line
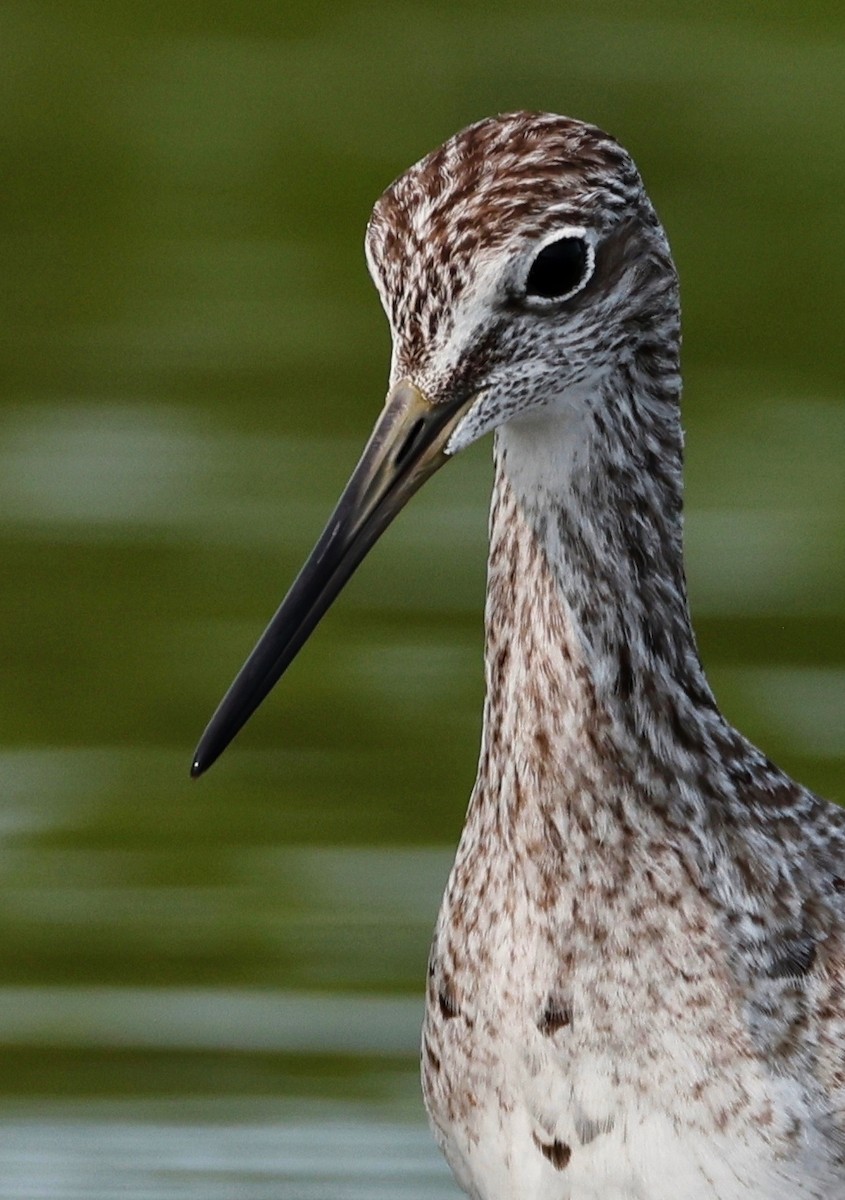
[519, 265]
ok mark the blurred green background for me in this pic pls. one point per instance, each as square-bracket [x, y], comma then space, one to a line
[192, 355]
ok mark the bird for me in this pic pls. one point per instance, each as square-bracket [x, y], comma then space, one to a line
[636, 986]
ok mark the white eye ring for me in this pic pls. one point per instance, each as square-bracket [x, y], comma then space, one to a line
[559, 267]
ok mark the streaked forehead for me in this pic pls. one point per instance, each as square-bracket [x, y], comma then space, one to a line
[509, 174]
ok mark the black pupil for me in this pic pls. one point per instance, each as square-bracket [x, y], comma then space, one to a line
[558, 269]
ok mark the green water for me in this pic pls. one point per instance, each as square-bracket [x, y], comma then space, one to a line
[192, 356]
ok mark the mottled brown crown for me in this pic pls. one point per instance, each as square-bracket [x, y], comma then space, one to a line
[500, 172]
[516, 175]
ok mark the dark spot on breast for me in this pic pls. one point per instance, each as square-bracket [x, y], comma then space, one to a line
[541, 741]
[588, 1130]
[432, 1058]
[793, 958]
[558, 1153]
[556, 1015]
[448, 1004]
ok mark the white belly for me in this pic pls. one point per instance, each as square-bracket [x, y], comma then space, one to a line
[643, 1158]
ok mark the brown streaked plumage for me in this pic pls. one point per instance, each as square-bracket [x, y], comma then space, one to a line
[636, 982]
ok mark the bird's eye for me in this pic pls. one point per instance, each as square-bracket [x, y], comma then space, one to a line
[560, 269]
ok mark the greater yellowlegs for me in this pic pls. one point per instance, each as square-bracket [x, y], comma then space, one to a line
[637, 984]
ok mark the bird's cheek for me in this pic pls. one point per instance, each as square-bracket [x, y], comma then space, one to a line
[488, 411]
[495, 405]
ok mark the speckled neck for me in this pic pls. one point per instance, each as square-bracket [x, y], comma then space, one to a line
[590, 651]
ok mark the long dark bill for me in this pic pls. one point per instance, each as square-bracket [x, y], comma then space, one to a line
[405, 448]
